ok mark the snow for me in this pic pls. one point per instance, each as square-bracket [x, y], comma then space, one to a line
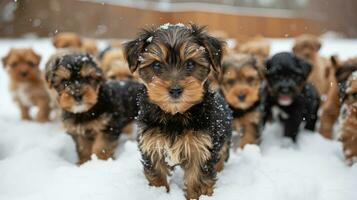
[149, 39]
[37, 161]
[167, 25]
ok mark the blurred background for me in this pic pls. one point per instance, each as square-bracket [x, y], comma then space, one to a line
[123, 18]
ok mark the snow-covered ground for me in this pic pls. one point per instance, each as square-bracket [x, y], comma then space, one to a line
[37, 161]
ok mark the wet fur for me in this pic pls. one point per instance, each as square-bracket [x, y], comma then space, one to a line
[192, 131]
[109, 105]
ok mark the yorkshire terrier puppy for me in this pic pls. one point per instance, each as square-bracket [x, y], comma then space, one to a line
[26, 83]
[289, 97]
[94, 112]
[241, 86]
[346, 75]
[322, 77]
[114, 65]
[67, 40]
[181, 122]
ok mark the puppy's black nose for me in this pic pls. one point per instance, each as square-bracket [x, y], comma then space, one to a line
[175, 91]
[242, 97]
[285, 90]
[77, 97]
[23, 74]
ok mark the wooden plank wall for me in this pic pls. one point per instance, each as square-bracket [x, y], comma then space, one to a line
[109, 21]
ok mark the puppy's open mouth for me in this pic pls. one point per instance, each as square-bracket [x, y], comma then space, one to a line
[285, 100]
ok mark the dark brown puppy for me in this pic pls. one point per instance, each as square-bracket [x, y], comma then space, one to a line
[27, 83]
[346, 76]
[180, 121]
[240, 85]
[94, 111]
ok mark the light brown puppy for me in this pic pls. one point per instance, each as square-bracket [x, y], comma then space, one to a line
[90, 46]
[26, 83]
[74, 41]
[240, 85]
[115, 66]
[67, 40]
[346, 75]
[257, 46]
[322, 77]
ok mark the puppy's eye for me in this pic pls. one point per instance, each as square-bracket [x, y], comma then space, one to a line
[354, 95]
[156, 66]
[251, 80]
[190, 65]
[31, 64]
[230, 82]
[14, 64]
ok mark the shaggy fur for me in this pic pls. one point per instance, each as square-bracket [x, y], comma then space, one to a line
[27, 84]
[241, 86]
[181, 122]
[289, 94]
[346, 76]
[94, 112]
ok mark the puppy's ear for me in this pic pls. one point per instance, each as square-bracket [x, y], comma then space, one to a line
[5, 58]
[37, 56]
[267, 64]
[317, 44]
[335, 61]
[213, 46]
[344, 72]
[305, 66]
[50, 69]
[55, 41]
[295, 48]
[133, 49]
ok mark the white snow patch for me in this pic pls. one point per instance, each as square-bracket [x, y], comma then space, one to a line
[149, 39]
[167, 25]
[79, 108]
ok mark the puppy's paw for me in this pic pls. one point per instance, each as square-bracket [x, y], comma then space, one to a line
[160, 182]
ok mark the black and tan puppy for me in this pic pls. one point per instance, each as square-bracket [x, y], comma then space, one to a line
[346, 75]
[181, 122]
[94, 112]
[241, 86]
[289, 96]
